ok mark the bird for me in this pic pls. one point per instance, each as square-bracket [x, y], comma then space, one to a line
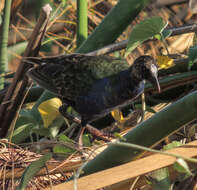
[93, 85]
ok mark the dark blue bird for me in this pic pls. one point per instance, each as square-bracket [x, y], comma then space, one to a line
[94, 85]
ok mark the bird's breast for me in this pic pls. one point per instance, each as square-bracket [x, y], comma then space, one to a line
[107, 95]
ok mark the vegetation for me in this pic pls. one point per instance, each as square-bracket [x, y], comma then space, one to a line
[33, 132]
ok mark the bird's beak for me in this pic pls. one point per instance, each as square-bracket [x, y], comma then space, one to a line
[155, 82]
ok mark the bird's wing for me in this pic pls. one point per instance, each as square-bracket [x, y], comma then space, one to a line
[72, 75]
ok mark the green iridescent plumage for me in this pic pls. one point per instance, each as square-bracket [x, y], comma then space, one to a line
[76, 73]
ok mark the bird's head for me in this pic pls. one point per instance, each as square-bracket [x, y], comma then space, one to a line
[145, 68]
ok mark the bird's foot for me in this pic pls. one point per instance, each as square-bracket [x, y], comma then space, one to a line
[97, 134]
[79, 138]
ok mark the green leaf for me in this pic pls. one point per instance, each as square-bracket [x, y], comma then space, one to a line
[27, 114]
[32, 169]
[64, 2]
[192, 55]
[119, 136]
[190, 64]
[158, 36]
[64, 138]
[61, 149]
[145, 30]
[24, 125]
[172, 145]
[86, 140]
[22, 133]
[181, 166]
[41, 131]
[160, 179]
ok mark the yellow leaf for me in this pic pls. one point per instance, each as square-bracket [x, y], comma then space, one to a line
[117, 115]
[164, 62]
[49, 110]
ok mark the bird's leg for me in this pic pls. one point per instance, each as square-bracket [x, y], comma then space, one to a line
[79, 137]
[95, 132]
[143, 106]
[63, 111]
[98, 134]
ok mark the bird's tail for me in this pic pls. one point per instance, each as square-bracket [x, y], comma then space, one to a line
[33, 60]
[43, 75]
[54, 59]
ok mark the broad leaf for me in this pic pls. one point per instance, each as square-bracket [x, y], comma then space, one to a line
[61, 149]
[22, 132]
[165, 62]
[145, 30]
[64, 149]
[49, 110]
[64, 138]
[24, 126]
[160, 179]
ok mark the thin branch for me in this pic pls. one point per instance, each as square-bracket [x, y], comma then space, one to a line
[9, 108]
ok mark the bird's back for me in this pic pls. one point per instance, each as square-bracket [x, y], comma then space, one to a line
[69, 76]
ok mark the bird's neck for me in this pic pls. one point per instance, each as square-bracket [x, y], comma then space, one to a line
[136, 78]
[136, 74]
[131, 82]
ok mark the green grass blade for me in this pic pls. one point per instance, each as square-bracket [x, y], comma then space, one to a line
[82, 21]
[4, 40]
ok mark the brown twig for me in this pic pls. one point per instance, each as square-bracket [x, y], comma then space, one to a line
[15, 95]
